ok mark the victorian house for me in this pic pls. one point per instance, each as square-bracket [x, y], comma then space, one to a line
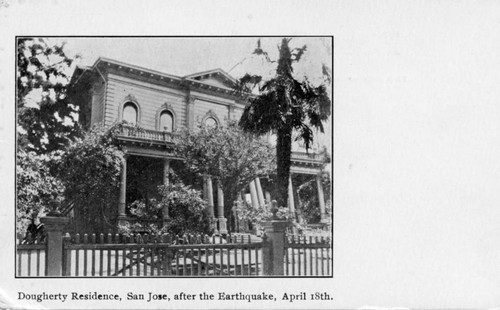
[110, 92]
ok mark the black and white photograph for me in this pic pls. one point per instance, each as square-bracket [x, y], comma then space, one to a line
[126, 170]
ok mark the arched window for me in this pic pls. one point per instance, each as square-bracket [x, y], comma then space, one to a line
[211, 122]
[130, 113]
[166, 121]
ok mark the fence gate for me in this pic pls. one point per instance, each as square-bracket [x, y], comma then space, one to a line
[165, 255]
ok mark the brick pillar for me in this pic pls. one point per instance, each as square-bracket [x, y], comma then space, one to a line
[274, 248]
[54, 255]
[123, 191]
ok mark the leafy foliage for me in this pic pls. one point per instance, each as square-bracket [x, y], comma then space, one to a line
[229, 155]
[90, 170]
[261, 214]
[187, 210]
[307, 193]
[285, 105]
[45, 115]
[36, 187]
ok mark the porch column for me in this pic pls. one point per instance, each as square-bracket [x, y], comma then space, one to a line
[260, 194]
[220, 209]
[253, 195]
[321, 197]
[166, 170]
[210, 199]
[291, 204]
[268, 197]
[123, 191]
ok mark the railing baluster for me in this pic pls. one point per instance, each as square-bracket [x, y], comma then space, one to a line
[249, 255]
[146, 254]
[19, 260]
[317, 258]
[207, 262]
[38, 262]
[93, 241]
[256, 261]
[85, 259]
[117, 254]
[124, 256]
[108, 259]
[221, 254]
[322, 260]
[299, 263]
[242, 271]
[170, 255]
[177, 262]
[101, 254]
[310, 257]
[328, 257]
[138, 256]
[305, 256]
[235, 253]
[213, 258]
[77, 256]
[29, 263]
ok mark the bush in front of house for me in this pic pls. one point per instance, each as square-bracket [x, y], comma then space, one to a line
[187, 212]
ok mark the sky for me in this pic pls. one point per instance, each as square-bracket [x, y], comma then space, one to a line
[416, 136]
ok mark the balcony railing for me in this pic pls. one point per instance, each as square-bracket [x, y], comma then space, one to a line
[307, 156]
[147, 134]
[142, 134]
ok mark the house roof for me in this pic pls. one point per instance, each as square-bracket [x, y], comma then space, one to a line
[213, 80]
[218, 73]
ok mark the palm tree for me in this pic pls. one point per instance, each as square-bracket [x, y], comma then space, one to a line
[285, 106]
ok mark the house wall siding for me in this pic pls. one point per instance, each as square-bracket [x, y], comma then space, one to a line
[98, 101]
[202, 108]
[150, 98]
[237, 112]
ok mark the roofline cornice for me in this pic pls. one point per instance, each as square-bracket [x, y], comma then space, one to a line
[186, 81]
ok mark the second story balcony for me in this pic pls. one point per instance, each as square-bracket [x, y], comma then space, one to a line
[137, 134]
[149, 138]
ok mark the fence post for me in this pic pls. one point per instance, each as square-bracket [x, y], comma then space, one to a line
[66, 256]
[274, 248]
[54, 254]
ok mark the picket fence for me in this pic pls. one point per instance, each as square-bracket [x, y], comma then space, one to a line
[142, 255]
[165, 255]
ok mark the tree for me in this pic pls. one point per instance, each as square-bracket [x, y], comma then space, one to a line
[283, 107]
[36, 187]
[227, 154]
[90, 170]
[45, 115]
